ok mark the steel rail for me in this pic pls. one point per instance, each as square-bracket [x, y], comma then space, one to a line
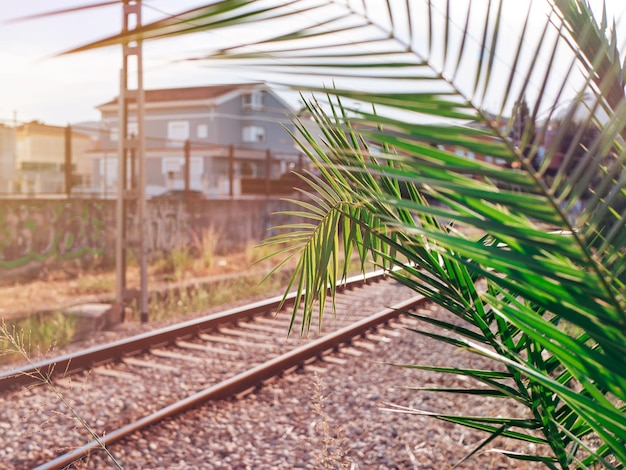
[241, 382]
[66, 364]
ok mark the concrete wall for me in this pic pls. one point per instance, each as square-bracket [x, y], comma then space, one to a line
[35, 233]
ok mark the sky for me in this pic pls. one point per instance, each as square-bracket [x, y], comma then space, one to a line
[37, 84]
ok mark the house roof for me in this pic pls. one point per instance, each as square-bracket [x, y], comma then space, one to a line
[188, 94]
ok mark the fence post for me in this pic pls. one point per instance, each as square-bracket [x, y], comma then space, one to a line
[133, 161]
[268, 169]
[68, 160]
[231, 171]
[187, 150]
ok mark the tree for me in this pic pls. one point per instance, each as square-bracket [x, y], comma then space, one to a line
[552, 316]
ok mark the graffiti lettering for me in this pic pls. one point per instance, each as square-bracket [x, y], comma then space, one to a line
[167, 226]
[48, 230]
[44, 231]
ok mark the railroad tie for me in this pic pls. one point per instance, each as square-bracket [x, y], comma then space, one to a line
[118, 374]
[174, 355]
[280, 329]
[133, 361]
[243, 334]
[334, 360]
[352, 351]
[234, 341]
[205, 348]
[371, 347]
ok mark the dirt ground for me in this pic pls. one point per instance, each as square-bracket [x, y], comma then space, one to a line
[56, 289]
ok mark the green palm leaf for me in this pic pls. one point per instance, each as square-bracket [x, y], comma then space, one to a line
[540, 289]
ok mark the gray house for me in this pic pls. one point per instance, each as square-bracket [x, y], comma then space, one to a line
[233, 131]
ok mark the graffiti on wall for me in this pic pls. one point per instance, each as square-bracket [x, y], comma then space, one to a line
[51, 230]
[275, 220]
[34, 232]
[168, 226]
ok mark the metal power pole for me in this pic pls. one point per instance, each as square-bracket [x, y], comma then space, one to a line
[131, 193]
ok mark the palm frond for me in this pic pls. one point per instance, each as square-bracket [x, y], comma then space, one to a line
[401, 184]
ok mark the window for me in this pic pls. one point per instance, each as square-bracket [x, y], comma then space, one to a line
[131, 129]
[253, 134]
[177, 132]
[253, 100]
[172, 165]
[173, 169]
[202, 131]
[108, 170]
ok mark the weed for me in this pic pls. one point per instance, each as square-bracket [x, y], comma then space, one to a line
[334, 450]
[207, 245]
[95, 284]
[161, 265]
[14, 340]
[181, 300]
[181, 258]
[173, 265]
[36, 335]
[254, 252]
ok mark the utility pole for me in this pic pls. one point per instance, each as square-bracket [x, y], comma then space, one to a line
[131, 192]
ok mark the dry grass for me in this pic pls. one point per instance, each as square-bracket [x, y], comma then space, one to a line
[33, 309]
[55, 290]
[35, 336]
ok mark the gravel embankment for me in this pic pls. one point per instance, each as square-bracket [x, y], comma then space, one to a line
[280, 427]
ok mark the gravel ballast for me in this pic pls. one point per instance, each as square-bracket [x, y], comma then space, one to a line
[281, 425]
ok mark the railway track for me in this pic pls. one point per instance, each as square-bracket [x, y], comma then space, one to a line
[166, 372]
